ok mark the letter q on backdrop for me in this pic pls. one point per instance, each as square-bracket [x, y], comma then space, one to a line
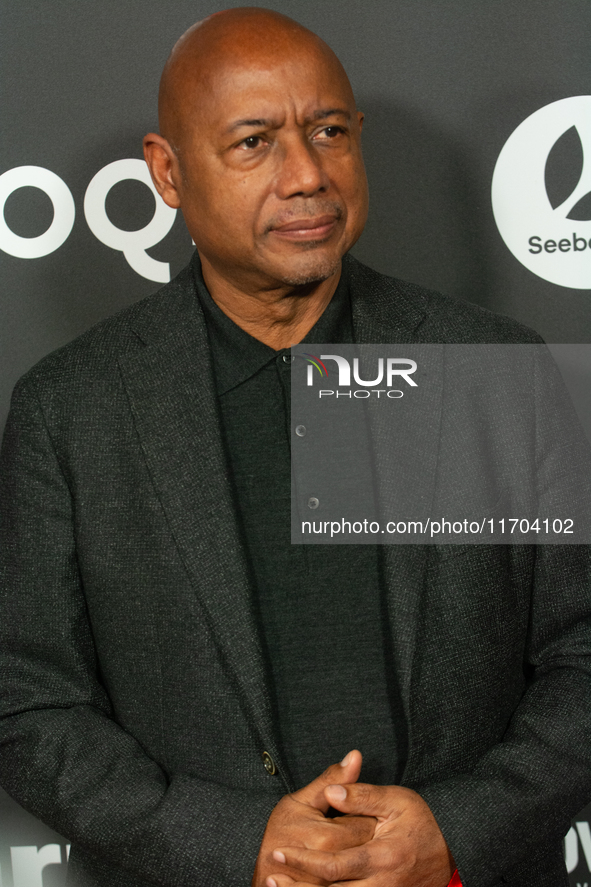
[133, 244]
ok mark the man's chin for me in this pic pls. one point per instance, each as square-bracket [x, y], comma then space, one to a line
[315, 270]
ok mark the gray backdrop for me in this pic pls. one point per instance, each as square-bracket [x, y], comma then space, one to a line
[444, 87]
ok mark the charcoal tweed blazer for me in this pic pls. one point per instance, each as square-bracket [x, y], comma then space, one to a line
[134, 706]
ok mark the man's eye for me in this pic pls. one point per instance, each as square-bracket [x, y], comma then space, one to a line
[252, 142]
[329, 132]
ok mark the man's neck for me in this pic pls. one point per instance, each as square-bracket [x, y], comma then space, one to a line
[277, 317]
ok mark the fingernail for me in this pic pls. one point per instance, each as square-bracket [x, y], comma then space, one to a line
[271, 882]
[338, 792]
[346, 760]
[278, 856]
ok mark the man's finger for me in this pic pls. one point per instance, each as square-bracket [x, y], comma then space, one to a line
[359, 830]
[286, 881]
[346, 865]
[337, 774]
[363, 799]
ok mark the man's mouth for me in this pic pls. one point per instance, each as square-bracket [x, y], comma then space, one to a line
[306, 229]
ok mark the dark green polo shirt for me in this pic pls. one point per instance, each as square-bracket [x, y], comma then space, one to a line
[321, 608]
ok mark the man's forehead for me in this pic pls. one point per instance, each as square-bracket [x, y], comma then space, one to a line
[259, 70]
[277, 63]
[238, 93]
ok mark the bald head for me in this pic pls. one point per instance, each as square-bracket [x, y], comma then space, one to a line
[246, 37]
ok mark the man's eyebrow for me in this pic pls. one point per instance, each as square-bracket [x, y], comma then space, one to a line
[323, 113]
[267, 123]
[259, 122]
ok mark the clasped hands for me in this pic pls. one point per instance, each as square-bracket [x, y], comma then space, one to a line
[388, 836]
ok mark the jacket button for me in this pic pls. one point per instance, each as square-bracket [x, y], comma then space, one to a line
[269, 763]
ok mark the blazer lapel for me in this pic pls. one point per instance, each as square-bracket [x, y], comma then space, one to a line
[171, 392]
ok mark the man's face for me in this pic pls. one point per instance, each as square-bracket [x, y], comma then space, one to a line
[273, 187]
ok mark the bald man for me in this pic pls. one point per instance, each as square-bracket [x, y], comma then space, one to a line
[187, 695]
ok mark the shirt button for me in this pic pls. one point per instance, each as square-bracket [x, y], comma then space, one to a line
[300, 430]
[313, 502]
[288, 358]
[269, 763]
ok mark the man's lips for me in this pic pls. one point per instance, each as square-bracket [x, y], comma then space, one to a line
[306, 229]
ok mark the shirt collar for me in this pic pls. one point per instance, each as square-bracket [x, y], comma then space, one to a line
[237, 356]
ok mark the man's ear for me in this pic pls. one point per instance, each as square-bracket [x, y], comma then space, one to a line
[164, 168]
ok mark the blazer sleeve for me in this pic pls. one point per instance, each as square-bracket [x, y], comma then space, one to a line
[525, 790]
[62, 755]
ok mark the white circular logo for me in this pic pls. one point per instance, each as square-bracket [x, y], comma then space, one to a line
[541, 202]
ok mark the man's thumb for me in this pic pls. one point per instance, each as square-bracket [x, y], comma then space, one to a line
[362, 799]
[345, 773]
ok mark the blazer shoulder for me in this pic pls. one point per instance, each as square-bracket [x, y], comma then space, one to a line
[467, 323]
[433, 316]
[95, 353]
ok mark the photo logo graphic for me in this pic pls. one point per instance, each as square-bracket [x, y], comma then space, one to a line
[541, 192]
[314, 361]
[388, 371]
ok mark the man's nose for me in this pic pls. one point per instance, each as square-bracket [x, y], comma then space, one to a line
[301, 173]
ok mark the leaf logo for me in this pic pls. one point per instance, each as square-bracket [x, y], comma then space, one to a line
[581, 211]
[564, 168]
[541, 192]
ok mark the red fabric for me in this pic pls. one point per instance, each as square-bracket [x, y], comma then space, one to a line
[455, 881]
